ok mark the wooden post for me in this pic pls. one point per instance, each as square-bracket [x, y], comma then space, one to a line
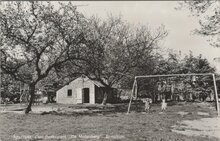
[216, 94]
[129, 106]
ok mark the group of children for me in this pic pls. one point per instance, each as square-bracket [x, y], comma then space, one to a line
[148, 102]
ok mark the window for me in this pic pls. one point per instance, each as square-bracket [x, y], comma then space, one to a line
[69, 92]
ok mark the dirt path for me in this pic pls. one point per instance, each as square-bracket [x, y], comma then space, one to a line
[205, 127]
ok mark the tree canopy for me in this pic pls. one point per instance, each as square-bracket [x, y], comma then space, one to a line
[115, 49]
[208, 12]
[36, 39]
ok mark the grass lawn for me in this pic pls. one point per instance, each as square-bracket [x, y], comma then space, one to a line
[109, 125]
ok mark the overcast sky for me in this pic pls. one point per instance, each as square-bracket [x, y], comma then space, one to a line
[179, 23]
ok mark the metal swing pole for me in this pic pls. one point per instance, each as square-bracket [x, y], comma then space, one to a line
[216, 94]
[129, 106]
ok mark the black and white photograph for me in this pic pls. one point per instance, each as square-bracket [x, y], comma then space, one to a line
[110, 70]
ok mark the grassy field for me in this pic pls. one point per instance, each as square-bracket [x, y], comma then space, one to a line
[110, 123]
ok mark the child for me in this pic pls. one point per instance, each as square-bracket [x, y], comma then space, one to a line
[147, 105]
[163, 105]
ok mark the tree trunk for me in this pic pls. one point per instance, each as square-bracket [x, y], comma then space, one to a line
[106, 93]
[105, 98]
[156, 98]
[31, 92]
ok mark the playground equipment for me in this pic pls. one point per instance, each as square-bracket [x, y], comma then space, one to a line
[134, 93]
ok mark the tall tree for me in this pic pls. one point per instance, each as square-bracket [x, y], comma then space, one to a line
[196, 64]
[172, 64]
[117, 50]
[36, 39]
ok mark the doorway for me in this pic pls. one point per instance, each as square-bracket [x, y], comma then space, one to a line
[85, 95]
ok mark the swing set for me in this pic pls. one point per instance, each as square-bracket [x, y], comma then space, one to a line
[135, 86]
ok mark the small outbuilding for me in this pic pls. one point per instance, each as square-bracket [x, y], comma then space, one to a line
[82, 90]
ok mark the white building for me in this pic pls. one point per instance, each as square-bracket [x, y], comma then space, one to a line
[81, 90]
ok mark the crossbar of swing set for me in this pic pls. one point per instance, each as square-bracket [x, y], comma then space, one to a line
[170, 75]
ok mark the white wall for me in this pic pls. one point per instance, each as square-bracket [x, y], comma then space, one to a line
[61, 94]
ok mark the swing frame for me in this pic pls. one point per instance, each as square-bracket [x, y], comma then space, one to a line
[134, 91]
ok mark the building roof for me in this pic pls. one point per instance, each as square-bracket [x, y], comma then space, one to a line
[97, 83]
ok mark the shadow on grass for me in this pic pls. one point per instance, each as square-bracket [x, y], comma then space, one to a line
[93, 110]
[137, 107]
